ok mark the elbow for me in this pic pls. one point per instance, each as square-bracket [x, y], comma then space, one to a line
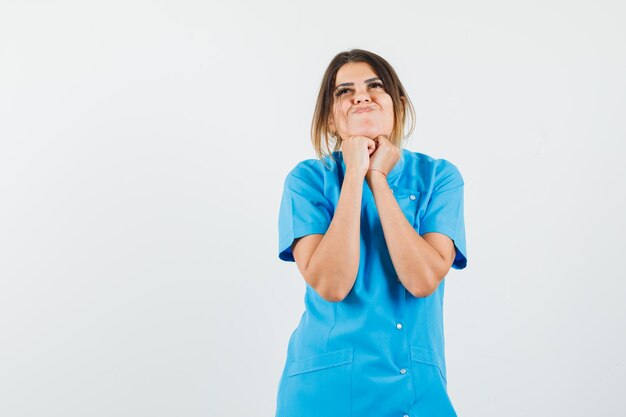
[334, 297]
[332, 294]
[427, 281]
[332, 285]
[331, 289]
[422, 292]
[424, 286]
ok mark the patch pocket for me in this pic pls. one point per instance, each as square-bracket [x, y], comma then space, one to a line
[320, 385]
[430, 386]
[408, 200]
[428, 357]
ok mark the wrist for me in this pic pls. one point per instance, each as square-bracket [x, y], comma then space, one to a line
[374, 176]
[373, 171]
[352, 175]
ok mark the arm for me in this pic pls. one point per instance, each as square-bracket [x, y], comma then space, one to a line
[420, 262]
[329, 263]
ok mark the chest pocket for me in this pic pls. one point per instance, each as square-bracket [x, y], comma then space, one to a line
[409, 200]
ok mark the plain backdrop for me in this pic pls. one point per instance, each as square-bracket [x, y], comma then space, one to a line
[143, 149]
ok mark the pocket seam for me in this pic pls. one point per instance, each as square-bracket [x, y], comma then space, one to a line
[427, 357]
[321, 361]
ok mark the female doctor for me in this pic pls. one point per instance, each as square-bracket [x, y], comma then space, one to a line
[373, 228]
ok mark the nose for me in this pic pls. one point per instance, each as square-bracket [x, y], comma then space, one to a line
[362, 97]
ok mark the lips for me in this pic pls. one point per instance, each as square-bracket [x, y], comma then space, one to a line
[362, 109]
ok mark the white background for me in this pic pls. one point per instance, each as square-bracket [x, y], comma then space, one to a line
[143, 149]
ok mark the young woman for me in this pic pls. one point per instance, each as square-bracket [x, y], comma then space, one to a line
[374, 229]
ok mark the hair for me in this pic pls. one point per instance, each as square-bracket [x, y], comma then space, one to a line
[324, 141]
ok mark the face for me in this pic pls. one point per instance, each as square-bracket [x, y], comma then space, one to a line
[361, 104]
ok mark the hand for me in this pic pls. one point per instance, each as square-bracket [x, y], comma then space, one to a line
[384, 157]
[356, 154]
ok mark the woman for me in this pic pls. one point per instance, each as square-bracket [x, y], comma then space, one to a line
[374, 229]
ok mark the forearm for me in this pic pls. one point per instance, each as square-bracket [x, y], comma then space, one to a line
[334, 264]
[416, 262]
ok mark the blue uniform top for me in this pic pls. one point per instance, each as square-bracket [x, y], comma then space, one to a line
[380, 351]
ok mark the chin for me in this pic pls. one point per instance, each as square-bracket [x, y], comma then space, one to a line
[368, 127]
[370, 133]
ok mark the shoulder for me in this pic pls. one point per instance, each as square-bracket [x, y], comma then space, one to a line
[440, 172]
[312, 171]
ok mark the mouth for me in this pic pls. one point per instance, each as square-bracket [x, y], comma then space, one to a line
[363, 109]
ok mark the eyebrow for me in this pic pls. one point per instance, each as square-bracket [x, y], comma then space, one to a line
[364, 82]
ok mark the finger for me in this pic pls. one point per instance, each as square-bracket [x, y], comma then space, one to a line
[371, 147]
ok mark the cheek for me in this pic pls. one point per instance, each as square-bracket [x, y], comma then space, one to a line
[341, 113]
[390, 113]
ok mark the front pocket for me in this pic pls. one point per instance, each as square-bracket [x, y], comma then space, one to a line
[319, 362]
[427, 357]
[430, 383]
[320, 385]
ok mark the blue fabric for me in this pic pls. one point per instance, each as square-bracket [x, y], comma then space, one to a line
[380, 351]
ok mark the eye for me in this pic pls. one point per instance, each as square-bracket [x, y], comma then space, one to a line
[341, 91]
[375, 84]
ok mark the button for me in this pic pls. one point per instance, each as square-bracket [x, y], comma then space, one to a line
[403, 371]
[399, 326]
[412, 197]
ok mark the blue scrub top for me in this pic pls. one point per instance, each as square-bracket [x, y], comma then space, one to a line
[380, 351]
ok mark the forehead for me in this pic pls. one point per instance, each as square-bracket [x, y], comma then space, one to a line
[355, 72]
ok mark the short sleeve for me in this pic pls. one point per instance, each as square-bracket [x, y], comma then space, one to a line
[444, 211]
[304, 209]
